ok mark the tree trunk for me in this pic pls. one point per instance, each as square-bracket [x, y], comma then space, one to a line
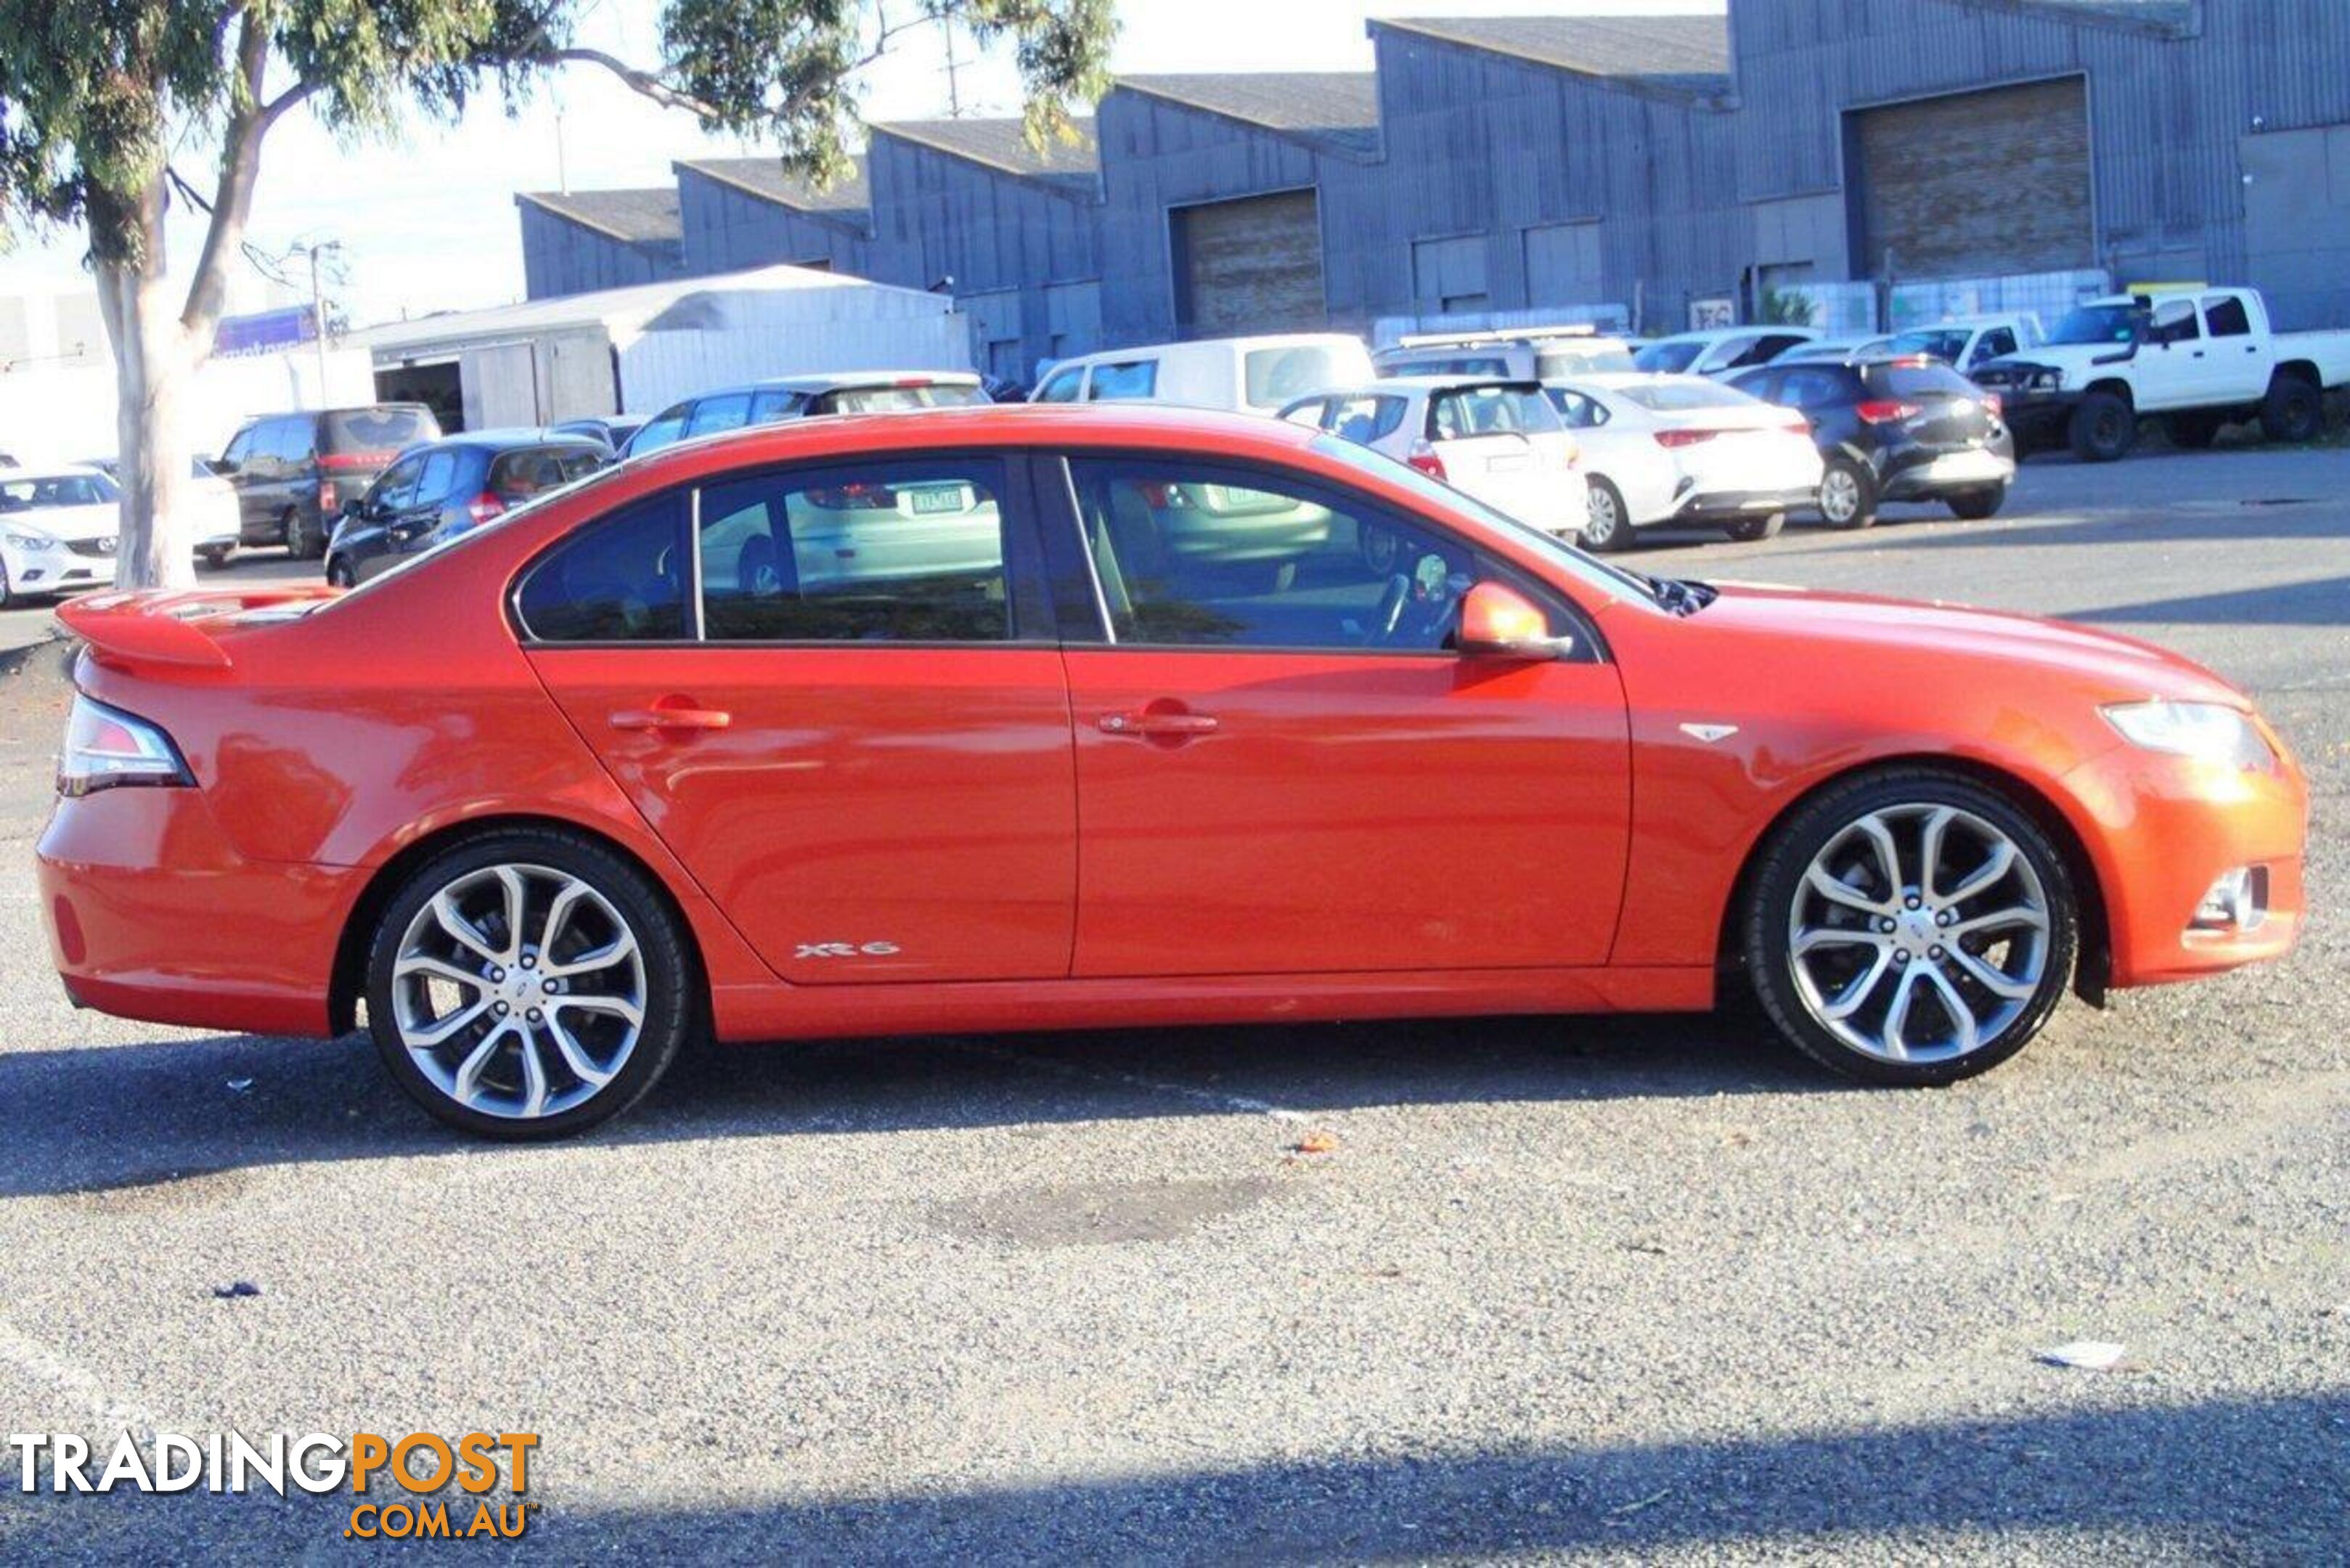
[152, 367]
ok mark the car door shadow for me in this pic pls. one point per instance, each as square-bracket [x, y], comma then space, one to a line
[145, 1121]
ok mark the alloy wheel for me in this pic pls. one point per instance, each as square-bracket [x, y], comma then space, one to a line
[519, 990]
[1919, 934]
[1839, 495]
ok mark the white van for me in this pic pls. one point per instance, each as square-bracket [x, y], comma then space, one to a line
[1255, 375]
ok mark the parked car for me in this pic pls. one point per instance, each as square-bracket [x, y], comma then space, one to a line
[1910, 429]
[1499, 441]
[1869, 346]
[211, 503]
[1261, 375]
[292, 473]
[58, 531]
[1719, 351]
[447, 487]
[1527, 354]
[2201, 361]
[805, 397]
[1967, 342]
[612, 430]
[561, 812]
[1687, 452]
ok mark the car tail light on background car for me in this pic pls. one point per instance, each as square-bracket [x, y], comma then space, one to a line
[484, 507]
[1994, 405]
[1886, 411]
[105, 747]
[1423, 457]
[1673, 440]
[329, 498]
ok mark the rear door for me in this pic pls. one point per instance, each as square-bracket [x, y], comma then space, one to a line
[836, 695]
[1286, 771]
[2241, 359]
[1504, 444]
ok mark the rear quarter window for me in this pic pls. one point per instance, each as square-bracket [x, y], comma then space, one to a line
[619, 579]
[1917, 380]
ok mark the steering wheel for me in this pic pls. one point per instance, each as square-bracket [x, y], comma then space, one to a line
[1389, 617]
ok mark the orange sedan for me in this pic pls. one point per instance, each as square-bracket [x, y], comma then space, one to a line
[1047, 718]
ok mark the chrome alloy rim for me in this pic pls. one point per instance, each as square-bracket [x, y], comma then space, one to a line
[1602, 507]
[1839, 495]
[519, 990]
[1919, 933]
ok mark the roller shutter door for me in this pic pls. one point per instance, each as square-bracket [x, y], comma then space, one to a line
[1249, 266]
[1977, 184]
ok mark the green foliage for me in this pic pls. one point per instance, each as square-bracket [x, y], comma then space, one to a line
[1786, 309]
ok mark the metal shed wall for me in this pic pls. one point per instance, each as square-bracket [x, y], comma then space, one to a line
[560, 257]
[728, 229]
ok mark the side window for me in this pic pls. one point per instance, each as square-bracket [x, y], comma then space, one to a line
[727, 411]
[1191, 555]
[530, 471]
[665, 430]
[1996, 342]
[438, 479]
[1133, 378]
[1763, 384]
[1061, 387]
[297, 438]
[240, 449]
[767, 408]
[1804, 388]
[1366, 420]
[617, 580]
[1308, 413]
[890, 551]
[2226, 316]
[1771, 346]
[397, 488]
[2174, 322]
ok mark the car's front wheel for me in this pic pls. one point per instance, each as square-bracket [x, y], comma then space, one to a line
[528, 983]
[1848, 495]
[339, 573]
[1911, 927]
[1607, 526]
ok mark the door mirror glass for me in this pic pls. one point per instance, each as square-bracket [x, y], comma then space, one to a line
[1499, 622]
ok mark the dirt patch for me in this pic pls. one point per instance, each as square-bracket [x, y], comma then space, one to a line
[1098, 1214]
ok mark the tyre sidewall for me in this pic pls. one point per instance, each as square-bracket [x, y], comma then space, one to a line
[671, 978]
[1616, 537]
[1863, 512]
[1769, 914]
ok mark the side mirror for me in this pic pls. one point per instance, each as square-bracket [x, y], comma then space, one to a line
[1499, 622]
[354, 507]
[221, 466]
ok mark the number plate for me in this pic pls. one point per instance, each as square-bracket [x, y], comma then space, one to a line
[926, 502]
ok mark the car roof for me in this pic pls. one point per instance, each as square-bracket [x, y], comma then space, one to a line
[511, 436]
[1716, 334]
[51, 470]
[1622, 380]
[833, 381]
[1430, 383]
[1004, 425]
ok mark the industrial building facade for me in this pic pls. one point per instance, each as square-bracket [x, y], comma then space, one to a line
[1636, 169]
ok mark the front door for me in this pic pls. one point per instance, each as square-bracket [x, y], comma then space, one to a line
[1282, 768]
[856, 735]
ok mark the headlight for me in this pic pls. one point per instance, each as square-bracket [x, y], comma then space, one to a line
[2048, 381]
[32, 540]
[2204, 730]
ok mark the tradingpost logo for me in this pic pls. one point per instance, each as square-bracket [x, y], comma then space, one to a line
[405, 1481]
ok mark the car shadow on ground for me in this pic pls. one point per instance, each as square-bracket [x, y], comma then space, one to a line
[2232, 1480]
[113, 1120]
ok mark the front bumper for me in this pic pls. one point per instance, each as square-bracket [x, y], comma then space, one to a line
[2036, 417]
[60, 569]
[152, 915]
[2162, 829]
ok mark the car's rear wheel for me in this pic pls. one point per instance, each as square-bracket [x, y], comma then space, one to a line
[2105, 428]
[1974, 505]
[1607, 526]
[1848, 495]
[1748, 530]
[1910, 928]
[527, 984]
[2293, 411]
[302, 542]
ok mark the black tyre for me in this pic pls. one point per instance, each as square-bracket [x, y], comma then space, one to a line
[2293, 411]
[1607, 526]
[1847, 494]
[528, 984]
[339, 573]
[2105, 428]
[9, 598]
[1974, 505]
[2191, 432]
[1910, 926]
[1749, 530]
[213, 560]
[303, 542]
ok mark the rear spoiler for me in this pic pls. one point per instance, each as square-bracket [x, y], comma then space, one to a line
[163, 628]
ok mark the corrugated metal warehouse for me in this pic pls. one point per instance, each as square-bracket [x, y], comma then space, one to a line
[1631, 169]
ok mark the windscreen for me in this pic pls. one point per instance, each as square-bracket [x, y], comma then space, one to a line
[1668, 359]
[1681, 397]
[380, 430]
[2097, 324]
[1272, 376]
[898, 400]
[42, 492]
[1919, 381]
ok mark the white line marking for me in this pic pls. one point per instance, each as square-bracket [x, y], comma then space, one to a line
[1240, 1102]
[38, 1362]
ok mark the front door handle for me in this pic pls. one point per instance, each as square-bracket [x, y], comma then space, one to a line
[661, 716]
[1148, 725]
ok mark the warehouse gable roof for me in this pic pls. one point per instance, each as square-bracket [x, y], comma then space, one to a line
[646, 219]
[2170, 18]
[1337, 111]
[1673, 57]
[1070, 168]
[847, 202]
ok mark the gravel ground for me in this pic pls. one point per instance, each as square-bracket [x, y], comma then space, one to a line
[1646, 1287]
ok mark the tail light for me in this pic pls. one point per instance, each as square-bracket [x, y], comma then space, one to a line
[1672, 440]
[1796, 424]
[329, 498]
[105, 747]
[484, 507]
[1886, 411]
[1993, 406]
[1423, 457]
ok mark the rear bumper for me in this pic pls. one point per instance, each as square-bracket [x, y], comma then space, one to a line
[1920, 477]
[2163, 830]
[1730, 504]
[151, 915]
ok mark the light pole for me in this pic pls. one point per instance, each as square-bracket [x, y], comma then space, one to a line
[319, 305]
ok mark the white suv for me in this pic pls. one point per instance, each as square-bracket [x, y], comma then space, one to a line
[1719, 351]
[1499, 441]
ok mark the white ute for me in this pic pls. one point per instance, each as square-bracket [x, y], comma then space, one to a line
[2199, 360]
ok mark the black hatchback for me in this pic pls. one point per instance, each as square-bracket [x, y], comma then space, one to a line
[441, 489]
[1908, 429]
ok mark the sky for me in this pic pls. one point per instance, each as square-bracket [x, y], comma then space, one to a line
[426, 218]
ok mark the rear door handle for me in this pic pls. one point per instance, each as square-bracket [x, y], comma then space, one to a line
[1148, 726]
[658, 718]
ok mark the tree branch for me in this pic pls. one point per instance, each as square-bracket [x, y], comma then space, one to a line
[240, 171]
[644, 82]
